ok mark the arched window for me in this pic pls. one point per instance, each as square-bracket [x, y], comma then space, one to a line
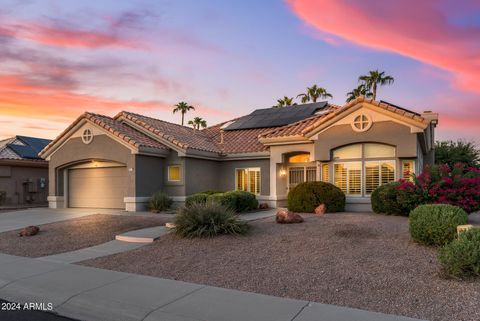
[360, 168]
[299, 158]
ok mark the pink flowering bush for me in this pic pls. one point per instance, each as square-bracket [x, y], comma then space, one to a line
[440, 184]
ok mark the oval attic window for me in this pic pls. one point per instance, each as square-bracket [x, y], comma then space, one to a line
[87, 136]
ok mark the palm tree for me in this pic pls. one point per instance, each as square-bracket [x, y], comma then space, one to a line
[182, 107]
[285, 101]
[198, 122]
[375, 78]
[361, 90]
[313, 93]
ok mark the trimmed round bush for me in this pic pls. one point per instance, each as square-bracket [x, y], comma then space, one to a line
[196, 198]
[207, 220]
[239, 201]
[242, 201]
[220, 198]
[389, 199]
[436, 224]
[461, 257]
[160, 202]
[305, 197]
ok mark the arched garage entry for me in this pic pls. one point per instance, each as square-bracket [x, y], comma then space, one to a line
[96, 184]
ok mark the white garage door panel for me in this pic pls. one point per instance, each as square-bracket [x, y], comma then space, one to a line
[97, 187]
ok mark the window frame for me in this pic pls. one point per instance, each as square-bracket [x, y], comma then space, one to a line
[403, 161]
[363, 160]
[169, 179]
[249, 169]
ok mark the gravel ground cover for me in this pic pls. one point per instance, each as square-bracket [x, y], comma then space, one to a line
[364, 261]
[74, 234]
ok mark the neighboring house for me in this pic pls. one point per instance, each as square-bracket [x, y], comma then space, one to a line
[23, 174]
[119, 162]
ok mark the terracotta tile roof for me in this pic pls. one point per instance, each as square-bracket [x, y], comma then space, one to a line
[236, 141]
[181, 136]
[125, 132]
[304, 126]
[209, 139]
[122, 131]
[298, 127]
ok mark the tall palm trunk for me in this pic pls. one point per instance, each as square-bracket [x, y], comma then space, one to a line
[183, 116]
[374, 90]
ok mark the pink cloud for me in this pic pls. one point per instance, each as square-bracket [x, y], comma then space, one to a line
[66, 37]
[416, 29]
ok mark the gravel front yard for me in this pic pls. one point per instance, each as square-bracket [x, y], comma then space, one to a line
[364, 261]
[74, 234]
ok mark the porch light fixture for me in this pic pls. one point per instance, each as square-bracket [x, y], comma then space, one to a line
[283, 172]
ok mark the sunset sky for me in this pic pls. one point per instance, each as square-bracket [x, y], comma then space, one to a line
[227, 58]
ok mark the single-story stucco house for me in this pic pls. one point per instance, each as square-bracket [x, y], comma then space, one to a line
[23, 174]
[104, 162]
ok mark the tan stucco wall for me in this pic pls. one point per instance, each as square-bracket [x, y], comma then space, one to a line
[74, 151]
[387, 132]
[12, 178]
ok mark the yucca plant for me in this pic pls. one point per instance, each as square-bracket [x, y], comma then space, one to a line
[207, 220]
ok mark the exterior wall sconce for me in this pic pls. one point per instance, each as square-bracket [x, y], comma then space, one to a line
[283, 172]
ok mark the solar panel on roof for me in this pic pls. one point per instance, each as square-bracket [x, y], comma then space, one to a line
[274, 117]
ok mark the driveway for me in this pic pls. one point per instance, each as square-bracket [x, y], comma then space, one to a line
[36, 216]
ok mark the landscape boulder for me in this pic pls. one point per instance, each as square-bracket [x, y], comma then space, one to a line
[263, 206]
[321, 209]
[284, 216]
[29, 231]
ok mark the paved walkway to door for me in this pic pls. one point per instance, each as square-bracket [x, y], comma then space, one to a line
[87, 293]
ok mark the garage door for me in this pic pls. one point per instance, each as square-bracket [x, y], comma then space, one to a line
[97, 187]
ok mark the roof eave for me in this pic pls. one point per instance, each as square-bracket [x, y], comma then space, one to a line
[294, 139]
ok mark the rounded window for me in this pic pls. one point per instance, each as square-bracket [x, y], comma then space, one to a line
[87, 136]
[361, 123]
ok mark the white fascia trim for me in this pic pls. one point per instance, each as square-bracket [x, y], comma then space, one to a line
[246, 156]
[415, 126]
[151, 152]
[297, 139]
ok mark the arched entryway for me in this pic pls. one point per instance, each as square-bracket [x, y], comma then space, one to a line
[300, 168]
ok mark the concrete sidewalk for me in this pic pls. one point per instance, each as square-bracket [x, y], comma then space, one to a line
[87, 293]
[18, 219]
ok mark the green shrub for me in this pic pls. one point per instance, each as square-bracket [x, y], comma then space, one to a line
[207, 220]
[389, 199]
[196, 198]
[210, 192]
[305, 197]
[436, 224]
[242, 201]
[461, 257]
[239, 201]
[219, 198]
[160, 202]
